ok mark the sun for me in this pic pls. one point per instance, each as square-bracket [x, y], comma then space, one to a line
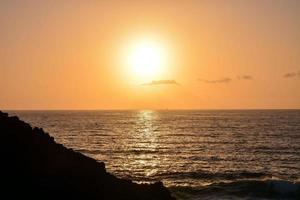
[147, 60]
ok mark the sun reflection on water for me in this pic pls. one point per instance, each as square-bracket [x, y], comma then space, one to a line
[146, 142]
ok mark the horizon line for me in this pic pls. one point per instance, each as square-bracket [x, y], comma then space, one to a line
[160, 109]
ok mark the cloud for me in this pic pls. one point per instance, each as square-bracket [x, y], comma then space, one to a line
[222, 80]
[162, 82]
[226, 79]
[291, 75]
[245, 77]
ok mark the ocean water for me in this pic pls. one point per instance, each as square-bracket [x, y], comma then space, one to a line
[197, 154]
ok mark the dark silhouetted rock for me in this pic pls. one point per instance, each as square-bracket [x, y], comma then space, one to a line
[34, 166]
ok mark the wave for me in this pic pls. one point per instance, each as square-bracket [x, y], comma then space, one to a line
[243, 189]
[214, 175]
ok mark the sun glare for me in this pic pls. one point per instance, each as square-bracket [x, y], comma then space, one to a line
[147, 60]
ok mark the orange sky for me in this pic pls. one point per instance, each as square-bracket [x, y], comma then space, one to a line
[223, 54]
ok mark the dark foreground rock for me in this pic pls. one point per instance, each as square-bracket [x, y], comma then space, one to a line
[34, 166]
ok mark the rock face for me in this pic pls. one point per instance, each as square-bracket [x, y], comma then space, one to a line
[34, 166]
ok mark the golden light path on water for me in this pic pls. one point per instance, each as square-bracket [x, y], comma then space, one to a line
[148, 141]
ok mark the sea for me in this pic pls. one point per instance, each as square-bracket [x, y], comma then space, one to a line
[197, 154]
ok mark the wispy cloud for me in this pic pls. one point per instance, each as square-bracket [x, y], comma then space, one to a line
[161, 82]
[291, 74]
[245, 77]
[226, 79]
[221, 80]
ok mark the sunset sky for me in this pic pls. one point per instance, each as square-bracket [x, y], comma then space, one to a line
[149, 54]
